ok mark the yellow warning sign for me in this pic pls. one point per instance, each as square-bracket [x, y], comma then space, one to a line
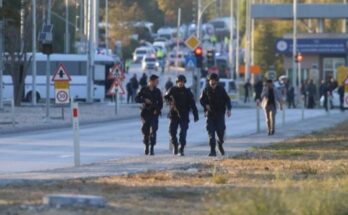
[192, 42]
[61, 85]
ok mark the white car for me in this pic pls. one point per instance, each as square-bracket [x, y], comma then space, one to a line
[150, 63]
[335, 98]
[141, 52]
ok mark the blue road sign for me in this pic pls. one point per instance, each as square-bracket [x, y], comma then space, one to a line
[190, 61]
[313, 46]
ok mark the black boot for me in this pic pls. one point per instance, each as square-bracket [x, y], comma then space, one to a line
[152, 151]
[221, 149]
[181, 150]
[175, 149]
[146, 149]
[212, 151]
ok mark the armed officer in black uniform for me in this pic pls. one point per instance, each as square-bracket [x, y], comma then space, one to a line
[151, 98]
[181, 101]
[215, 102]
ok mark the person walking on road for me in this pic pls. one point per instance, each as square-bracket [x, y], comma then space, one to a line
[169, 84]
[258, 90]
[143, 80]
[216, 104]
[135, 86]
[151, 98]
[311, 92]
[247, 89]
[290, 96]
[270, 97]
[181, 101]
[129, 92]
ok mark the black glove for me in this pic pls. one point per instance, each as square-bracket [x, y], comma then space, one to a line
[195, 118]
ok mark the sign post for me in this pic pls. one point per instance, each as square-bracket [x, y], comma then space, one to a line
[61, 80]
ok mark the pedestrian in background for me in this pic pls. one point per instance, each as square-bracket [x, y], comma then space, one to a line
[135, 86]
[129, 92]
[143, 80]
[258, 86]
[303, 91]
[181, 102]
[216, 104]
[290, 96]
[270, 97]
[311, 93]
[151, 98]
[169, 84]
[247, 89]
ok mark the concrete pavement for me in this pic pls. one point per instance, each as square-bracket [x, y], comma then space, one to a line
[124, 154]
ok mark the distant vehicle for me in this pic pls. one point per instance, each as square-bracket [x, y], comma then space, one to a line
[76, 66]
[168, 33]
[177, 56]
[222, 26]
[150, 63]
[229, 85]
[335, 99]
[141, 52]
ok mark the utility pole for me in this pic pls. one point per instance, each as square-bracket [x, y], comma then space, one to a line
[237, 38]
[344, 24]
[34, 67]
[67, 34]
[199, 19]
[178, 37]
[294, 47]
[48, 65]
[91, 49]
[248, 39]
[107, 26]
[1, 60]
[252, 36]
[231, 48]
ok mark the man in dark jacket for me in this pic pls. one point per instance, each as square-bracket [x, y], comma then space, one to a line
[143, 80]
[151, 98]
[129, 92]
[311, 92]
[247, 89]
[135, 85]
[341, 95]
[215, 102]
[290, 96]
[258, 90]
[181, 101]
[169, 84]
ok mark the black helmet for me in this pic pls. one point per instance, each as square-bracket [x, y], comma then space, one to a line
[213, 76]
[153, 77]
[181, 78]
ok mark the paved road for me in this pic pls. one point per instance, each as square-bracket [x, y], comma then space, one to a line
[54, 148]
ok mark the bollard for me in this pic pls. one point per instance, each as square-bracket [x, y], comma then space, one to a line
[258, 116]
[76, 131]
[13, 113]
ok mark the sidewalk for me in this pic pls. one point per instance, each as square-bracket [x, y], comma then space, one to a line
[163, 160]
[30, 118]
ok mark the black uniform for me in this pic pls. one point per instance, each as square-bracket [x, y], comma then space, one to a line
[149, 114]
[181, 101]
[219, 101]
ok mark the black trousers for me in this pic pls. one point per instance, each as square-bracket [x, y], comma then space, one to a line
[174, 124]
[149, 129]
[216, 127]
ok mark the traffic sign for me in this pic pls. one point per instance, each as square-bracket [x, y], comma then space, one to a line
[61, 84]
[61, 74]
[62, 96]
[192, 42]
[190, 61]
[116, 85]
[116, 72]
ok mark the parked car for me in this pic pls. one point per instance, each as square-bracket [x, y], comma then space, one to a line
[141, 52]
[150, 63]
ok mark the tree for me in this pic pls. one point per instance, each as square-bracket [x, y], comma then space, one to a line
[170, 9]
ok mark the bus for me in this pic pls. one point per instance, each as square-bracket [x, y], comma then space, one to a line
[76, 66]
